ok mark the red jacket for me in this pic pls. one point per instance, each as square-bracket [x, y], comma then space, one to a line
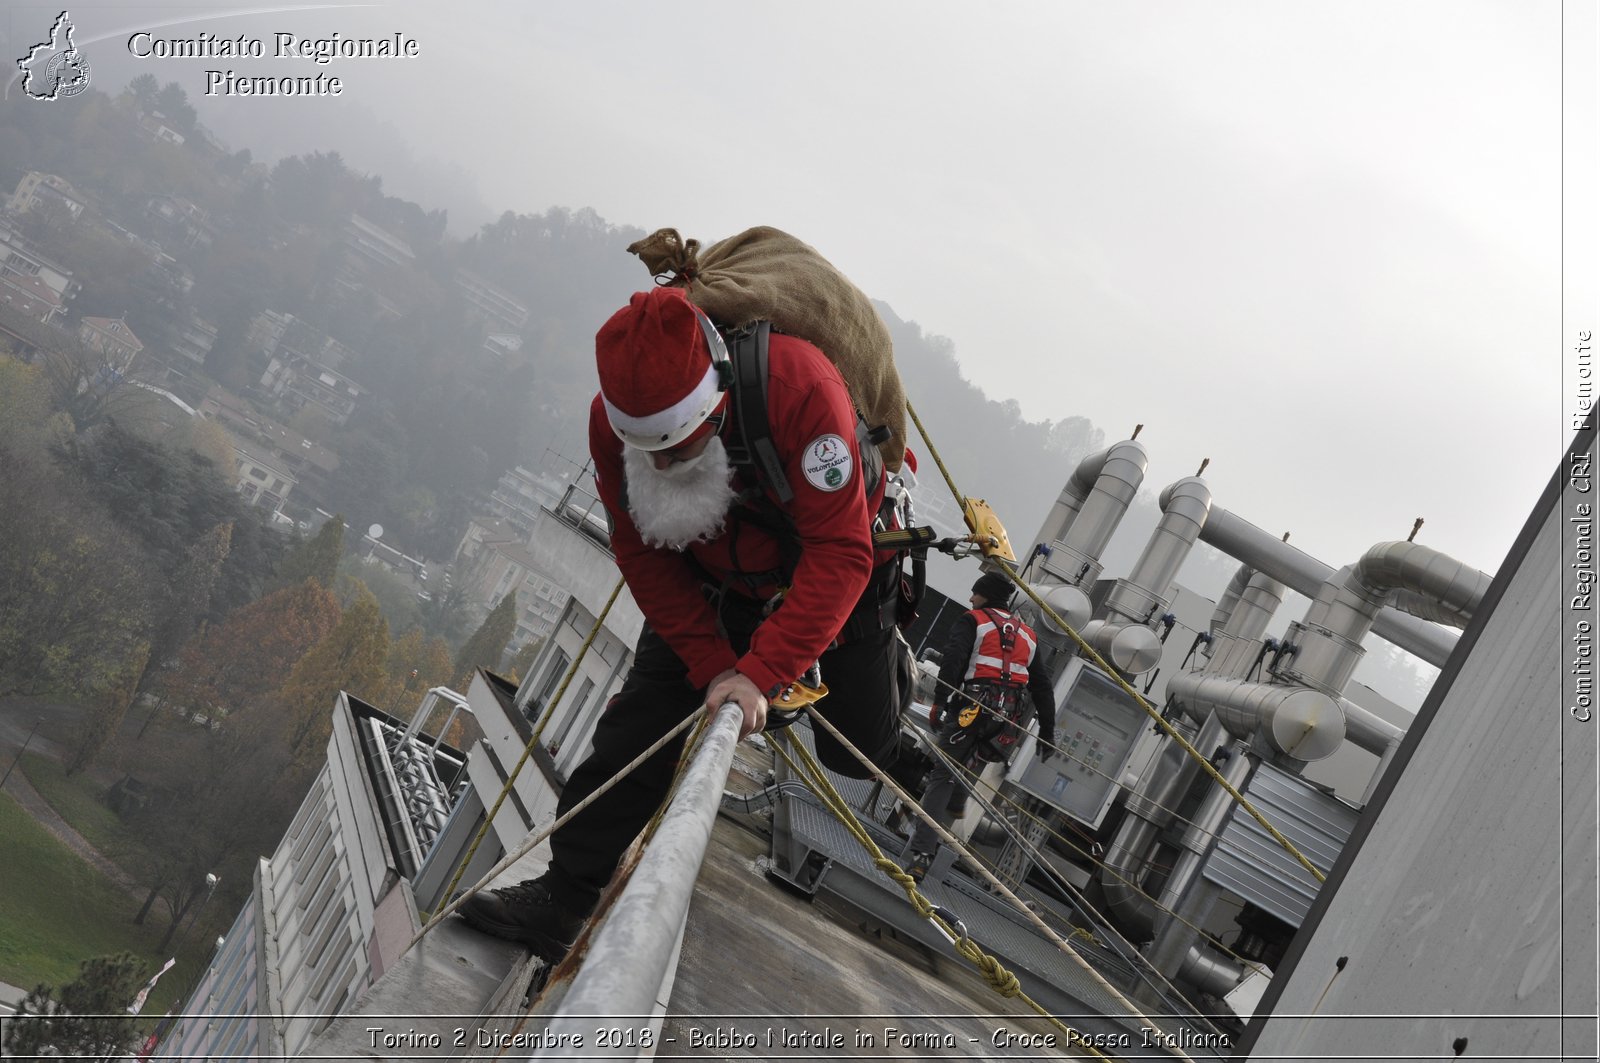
[806, 404]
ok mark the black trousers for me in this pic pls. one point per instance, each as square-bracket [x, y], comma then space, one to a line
[982, 741]
[945, 798]
[863, 703]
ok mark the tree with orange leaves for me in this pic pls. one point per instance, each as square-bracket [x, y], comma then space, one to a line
[237, 663]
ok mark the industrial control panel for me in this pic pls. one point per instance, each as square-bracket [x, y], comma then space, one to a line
[1097, 726]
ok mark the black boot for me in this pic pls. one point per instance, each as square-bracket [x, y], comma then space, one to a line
[527, 913]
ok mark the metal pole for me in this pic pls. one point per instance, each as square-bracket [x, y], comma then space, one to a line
[211, 886]
[36, 722]
[627, 958]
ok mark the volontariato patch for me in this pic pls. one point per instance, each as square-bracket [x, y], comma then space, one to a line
[828, 463]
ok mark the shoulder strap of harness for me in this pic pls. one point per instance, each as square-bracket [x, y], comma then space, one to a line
[753, 449]
[1006, 626]
[747, 349]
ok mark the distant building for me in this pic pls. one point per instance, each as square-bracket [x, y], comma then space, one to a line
[188, 221]
[504, 567]
[20, 260]
[520, 494]
[153, 124]
[493, 307]
[31, 296]
[175, 274]
[391, 558]
[273, 332]
[570, 540]
[311, 464]
[36, 189]
[266, 330]
[25, 338]
[193, 339]
[368, 242]
[299, 382]
[261, 478]
[112, 339]
[482, 533]
[504, 346]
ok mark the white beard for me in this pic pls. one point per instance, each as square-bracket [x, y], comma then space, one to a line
[684, 503]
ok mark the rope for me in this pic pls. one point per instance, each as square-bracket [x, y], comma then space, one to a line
[533, 839]
[1001, 980]
[1172, 732]
[1127, 688]
[966, 775]
[937, 461]
[1023, 811]
[538, 732]
[947, 838]
[1065, 755]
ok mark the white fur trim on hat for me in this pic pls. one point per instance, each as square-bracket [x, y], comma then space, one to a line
[671, 426]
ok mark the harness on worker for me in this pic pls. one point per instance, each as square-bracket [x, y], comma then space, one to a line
[996, 706]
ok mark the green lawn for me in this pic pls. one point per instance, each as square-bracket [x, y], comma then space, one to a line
[56, 910]
[76, 799]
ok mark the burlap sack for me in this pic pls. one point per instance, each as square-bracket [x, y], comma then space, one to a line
[766, 274]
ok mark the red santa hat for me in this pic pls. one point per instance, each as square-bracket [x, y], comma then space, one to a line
[658, 377]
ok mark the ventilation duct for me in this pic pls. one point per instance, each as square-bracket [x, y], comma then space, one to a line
[1149, 813]
[1367, 730]
[1257, 605]
[1074, 556]
[1211, 971]
[1077, 488]
[1327, 644]
[1294, 568]
[1239, 623]
[1296, 721]
[1230, 598]
[1125, 637]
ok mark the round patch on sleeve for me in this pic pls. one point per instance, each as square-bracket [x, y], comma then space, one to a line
[828, 463]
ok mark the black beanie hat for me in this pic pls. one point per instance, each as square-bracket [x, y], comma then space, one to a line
[995, 588]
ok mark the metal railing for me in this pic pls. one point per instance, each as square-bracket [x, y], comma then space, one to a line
[627, 958]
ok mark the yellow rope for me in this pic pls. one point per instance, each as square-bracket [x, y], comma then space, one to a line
[1068, 757]
[1172, 732]
[1083, 902]
[1127, 688]
[1001, 980]
[538, 732]
[938, 461]
[1000, 887]
[690, 745]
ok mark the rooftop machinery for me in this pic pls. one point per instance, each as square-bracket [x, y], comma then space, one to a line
[1175, 844]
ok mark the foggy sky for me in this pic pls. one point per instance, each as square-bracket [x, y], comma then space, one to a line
[1319, 244]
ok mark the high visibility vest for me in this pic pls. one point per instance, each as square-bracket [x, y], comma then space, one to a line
[1002, 649]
